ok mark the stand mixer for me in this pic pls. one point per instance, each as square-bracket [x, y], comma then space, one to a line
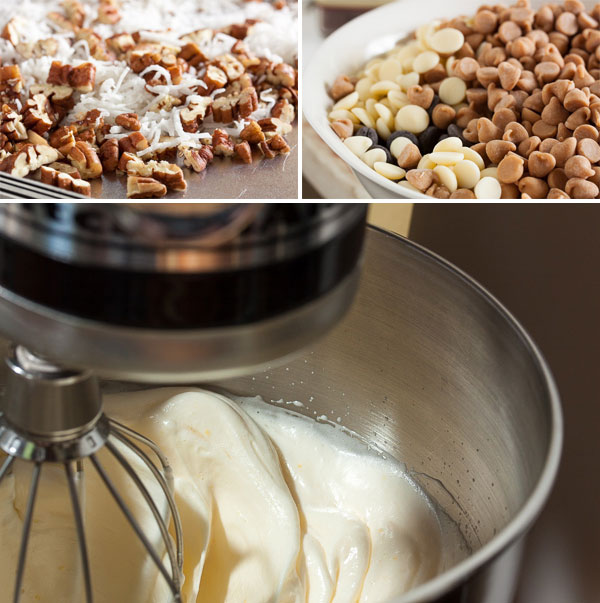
[154, 293]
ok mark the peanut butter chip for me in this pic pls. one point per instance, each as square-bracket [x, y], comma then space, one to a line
[540, 164]
[509, 75]
[566, 23]
[590, 149]
[509, 31]
[578, 167]
[510, 169]
[485, 21]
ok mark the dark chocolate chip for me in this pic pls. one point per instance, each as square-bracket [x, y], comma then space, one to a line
[434, 102]
[443, 137]
[388, 155]
[404, 134]
[369, 133]
[454, 130]
[428, 139]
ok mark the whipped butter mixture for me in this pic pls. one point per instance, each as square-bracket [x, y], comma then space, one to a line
[275, 508]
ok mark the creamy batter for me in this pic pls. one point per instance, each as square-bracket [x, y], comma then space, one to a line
[275, 508]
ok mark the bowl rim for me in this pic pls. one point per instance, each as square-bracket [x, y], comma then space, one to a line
[527, 514]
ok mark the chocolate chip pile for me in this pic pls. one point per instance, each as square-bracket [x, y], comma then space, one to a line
[510, 91]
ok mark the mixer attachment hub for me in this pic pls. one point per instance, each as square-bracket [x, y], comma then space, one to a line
[51, 414]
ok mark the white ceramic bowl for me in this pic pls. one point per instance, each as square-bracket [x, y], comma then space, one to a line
[350, 47]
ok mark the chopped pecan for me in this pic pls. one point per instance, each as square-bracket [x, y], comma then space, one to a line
[41, 48]
[59, 96]
[86, 160]
[74, 11]
[37, 114]
[192, 54]
[11, 81]
[232, 68]
[169, 174]
[96, 44]
[284, 111]
[11, 32]
[5, 143]
[11, 124]
[281, 74]
[131, 164]
[197, 159]
[121, 43]
[266, 150]
[82, 78]
[35, 138]
[222, 143]
[61, 21]
[140, 187]
[235, 106]
[199, 37]
[108, 12]
[194, 114]
[28, 159]
[272, 126]
[215, 78]
[61, 179]
[166, 103]
[133, 143]
[102, 132]
[109, 155]
[129, 121]
[239, 30]
[63, 139]
[67, 168]
[244, 152]
[279, 145]
[142, 56]
[252, 133]
[86, 128]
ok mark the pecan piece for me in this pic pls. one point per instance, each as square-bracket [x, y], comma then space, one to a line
[41, 48]
[235, 106]
[253, 133]
[140, 187]
[62, 21]
[197, 159]
[11, 81]
[121, 43]
[74, 11]
[59, 96]
[192, 54]
[10, 32]
[63, 139]
[108, 12]
[279, 145]
[82, 78]
[244, 152]
[232, 68]
[86, 160]
[37, 114]
[65, 181]
[96, 44]
[67, 168]
[109, 155]
[169, 174]
[266, 150]
[129, 121]
[28, 159]
[142, 56]
[281, 74]
[284, 111]
[222, 143]
[130, 163]
[194, 114]
[215, 78]
[133, 143]
[272, 126]
[11, 124]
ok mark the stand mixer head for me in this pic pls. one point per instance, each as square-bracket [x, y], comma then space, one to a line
[153, 293]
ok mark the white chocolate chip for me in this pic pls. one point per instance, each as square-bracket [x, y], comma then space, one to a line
[446, 157]
[398, 145]
[347, 102]
[492, 172]
[382, 128]
[382, 87]
[473, 156]
[358, 144]
[364, 117]
[397, 99]
[390, 69]
[362, 88]
[447, 40]
[447, 177]
[452, 143]
[425, 61]
[370, 108]
[343, 114]
[452, 91]
[385, 113]
[387, 170]
[412, 118]
[373, 156]
[467, 173]
[488, 188]
[426, 163]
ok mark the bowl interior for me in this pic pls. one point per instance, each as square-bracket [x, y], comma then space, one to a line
[348, 49]
[433, 371]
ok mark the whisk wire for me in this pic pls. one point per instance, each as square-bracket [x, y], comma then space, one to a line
[6, 466]
[153, 507]
[160, 477]
[35, 480]
[135, 525]
[80, 529]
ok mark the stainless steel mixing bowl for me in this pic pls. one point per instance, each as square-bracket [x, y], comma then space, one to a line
[432, 369]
